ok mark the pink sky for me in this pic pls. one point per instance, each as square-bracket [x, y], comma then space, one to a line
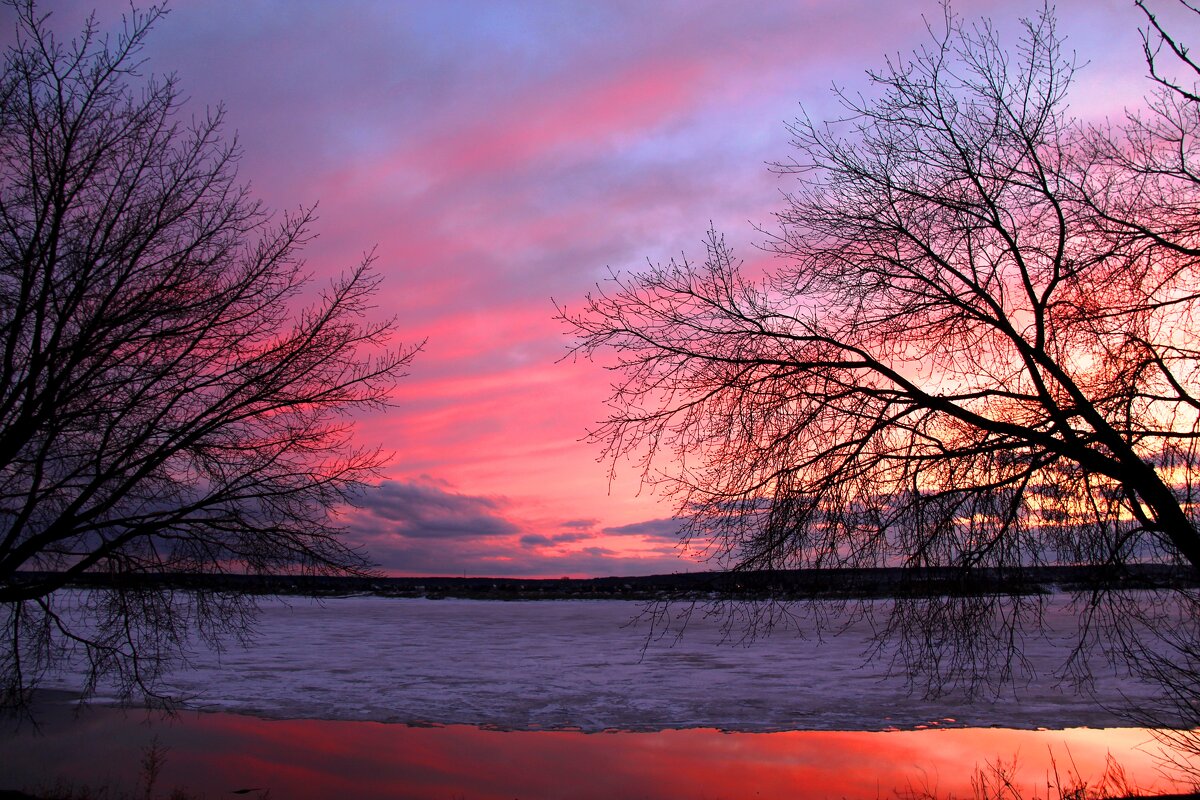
[498, 155]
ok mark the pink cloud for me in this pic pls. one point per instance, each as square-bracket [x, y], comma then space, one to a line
[499, 155]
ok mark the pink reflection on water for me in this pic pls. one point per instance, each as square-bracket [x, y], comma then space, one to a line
[214, 754]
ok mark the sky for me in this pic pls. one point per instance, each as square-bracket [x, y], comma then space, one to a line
[500, 157]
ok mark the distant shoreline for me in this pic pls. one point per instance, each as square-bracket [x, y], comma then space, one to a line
[877, 583]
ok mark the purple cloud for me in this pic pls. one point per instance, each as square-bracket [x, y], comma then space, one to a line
[426, 527]
[496, 558]
[538, 540]
[661, 529]
[426, 509]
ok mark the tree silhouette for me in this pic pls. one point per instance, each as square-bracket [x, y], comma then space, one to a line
[173, 396]
[978, 348]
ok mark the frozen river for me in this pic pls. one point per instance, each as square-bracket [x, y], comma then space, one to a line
[581, 665]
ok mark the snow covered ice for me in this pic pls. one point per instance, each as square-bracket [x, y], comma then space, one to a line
[581, 665]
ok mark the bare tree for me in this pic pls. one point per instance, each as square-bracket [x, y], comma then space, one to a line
[1157, 40]
[977, 348]
[171, 399]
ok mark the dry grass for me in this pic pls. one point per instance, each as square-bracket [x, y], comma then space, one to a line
[999, 780]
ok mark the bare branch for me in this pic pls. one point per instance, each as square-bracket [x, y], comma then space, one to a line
[174, 395]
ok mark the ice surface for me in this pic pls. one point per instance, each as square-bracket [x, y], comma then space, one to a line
[579, 664]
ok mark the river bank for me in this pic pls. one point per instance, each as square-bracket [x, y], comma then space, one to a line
[799, 584]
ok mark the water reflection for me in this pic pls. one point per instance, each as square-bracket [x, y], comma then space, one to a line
[214, 754]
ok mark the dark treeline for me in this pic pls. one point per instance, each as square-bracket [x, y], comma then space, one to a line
[773, 584]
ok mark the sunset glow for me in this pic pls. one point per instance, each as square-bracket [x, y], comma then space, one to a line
[501, 157]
